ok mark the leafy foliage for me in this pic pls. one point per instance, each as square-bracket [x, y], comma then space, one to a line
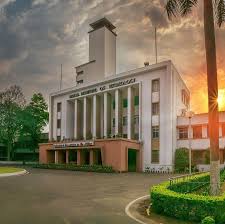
[87, 168]
[187, 206]
[181, 159]
[208, 220]
[33, 119]
[220, 11]
[184, 7]
[12, 102]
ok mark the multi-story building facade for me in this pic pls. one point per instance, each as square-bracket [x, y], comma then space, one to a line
[126, 120]
[199, 137]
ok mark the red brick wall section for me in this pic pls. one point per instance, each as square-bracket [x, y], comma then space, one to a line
[43, 157]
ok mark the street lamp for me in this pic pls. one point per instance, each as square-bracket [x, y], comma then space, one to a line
[189, 114]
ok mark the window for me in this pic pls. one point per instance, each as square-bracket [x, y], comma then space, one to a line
[59, 107]
[197, 131]
[114, 104]
[113, 123]
[136, 100]
[124, 103]
[155, 85]
[155, 132]
[58, 138]
[185, 97]
[58, 123]
[136, 120]
[80, 81]
[155, 156]
[155, 108]
[183, 132]
[80, 72]
[125, 121]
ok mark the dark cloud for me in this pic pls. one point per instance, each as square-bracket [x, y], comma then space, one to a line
[157, 16]
[17, 8]
[37, 36]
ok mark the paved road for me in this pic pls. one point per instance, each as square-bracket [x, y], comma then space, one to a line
[53, 196]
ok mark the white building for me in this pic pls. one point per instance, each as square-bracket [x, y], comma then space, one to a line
[199, 137]
[115, 113]
[131, 118]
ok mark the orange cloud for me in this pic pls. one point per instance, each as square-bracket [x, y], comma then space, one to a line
[198, 86]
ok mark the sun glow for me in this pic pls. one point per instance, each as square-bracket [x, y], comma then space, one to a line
[221, 99]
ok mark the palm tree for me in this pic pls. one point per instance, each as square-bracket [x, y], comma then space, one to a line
[211, 8]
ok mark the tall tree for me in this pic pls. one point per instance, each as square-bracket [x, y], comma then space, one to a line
[12, 101]
[34, 118]
[211, 8]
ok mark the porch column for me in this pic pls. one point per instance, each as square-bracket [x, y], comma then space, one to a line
[56, 157]
[91, 159]
[75, 119]
[94, 116]
[118, 112]
[78, 157]
[107, 114]
[130, 113]
[85, 119]
[67, 156]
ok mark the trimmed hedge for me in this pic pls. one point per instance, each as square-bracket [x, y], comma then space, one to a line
[87, 168]
[194, 183]
[188, 206]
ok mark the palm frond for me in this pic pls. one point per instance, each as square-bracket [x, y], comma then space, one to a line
[186, 6]
[172, 8]
[220, 11]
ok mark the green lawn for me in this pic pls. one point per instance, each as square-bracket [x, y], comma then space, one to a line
[9, 170]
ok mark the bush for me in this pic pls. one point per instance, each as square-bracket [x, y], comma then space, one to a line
[181, 160]
[208, 220]
[188, 206]
[73, 167]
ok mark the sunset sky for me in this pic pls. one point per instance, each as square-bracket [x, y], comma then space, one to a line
[36, 36]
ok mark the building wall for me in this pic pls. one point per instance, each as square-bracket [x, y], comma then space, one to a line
[202, 121]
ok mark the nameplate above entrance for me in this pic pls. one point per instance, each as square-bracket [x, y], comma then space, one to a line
[103, 88]
[73, 144]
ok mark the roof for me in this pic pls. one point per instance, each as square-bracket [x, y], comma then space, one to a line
[101, 23]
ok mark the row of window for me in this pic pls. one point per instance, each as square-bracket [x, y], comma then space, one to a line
[125, 103]
[185, 97]
[59, 108]
[155, 129]
[124, 121]
[197, 131]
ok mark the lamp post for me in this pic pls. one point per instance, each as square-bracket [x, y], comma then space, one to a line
[189, 114]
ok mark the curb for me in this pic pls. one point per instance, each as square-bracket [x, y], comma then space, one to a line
[127, 209]
[14, 174]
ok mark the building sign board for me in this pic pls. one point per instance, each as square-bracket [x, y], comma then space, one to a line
[102, 88]
[73, 144]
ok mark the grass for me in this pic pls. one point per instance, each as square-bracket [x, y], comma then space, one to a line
[9, 170]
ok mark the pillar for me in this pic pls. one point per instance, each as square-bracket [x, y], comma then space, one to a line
[85, 118]
[67, 156]
[78, 157]
[56, 157]
[130, 113]
[91, 159]
[107, 114]
[118, 112]
[76, 119]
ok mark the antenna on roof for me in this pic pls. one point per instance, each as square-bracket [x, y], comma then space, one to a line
[60, 84]
[156, 47]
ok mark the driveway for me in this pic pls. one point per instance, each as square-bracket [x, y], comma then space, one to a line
[54, 196]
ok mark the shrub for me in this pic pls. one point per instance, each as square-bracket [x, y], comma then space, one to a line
[208, 220]
[181, 160]
[73, 167]
[188, 206]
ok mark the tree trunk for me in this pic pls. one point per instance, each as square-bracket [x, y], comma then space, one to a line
[213, 115]
[9, 151]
